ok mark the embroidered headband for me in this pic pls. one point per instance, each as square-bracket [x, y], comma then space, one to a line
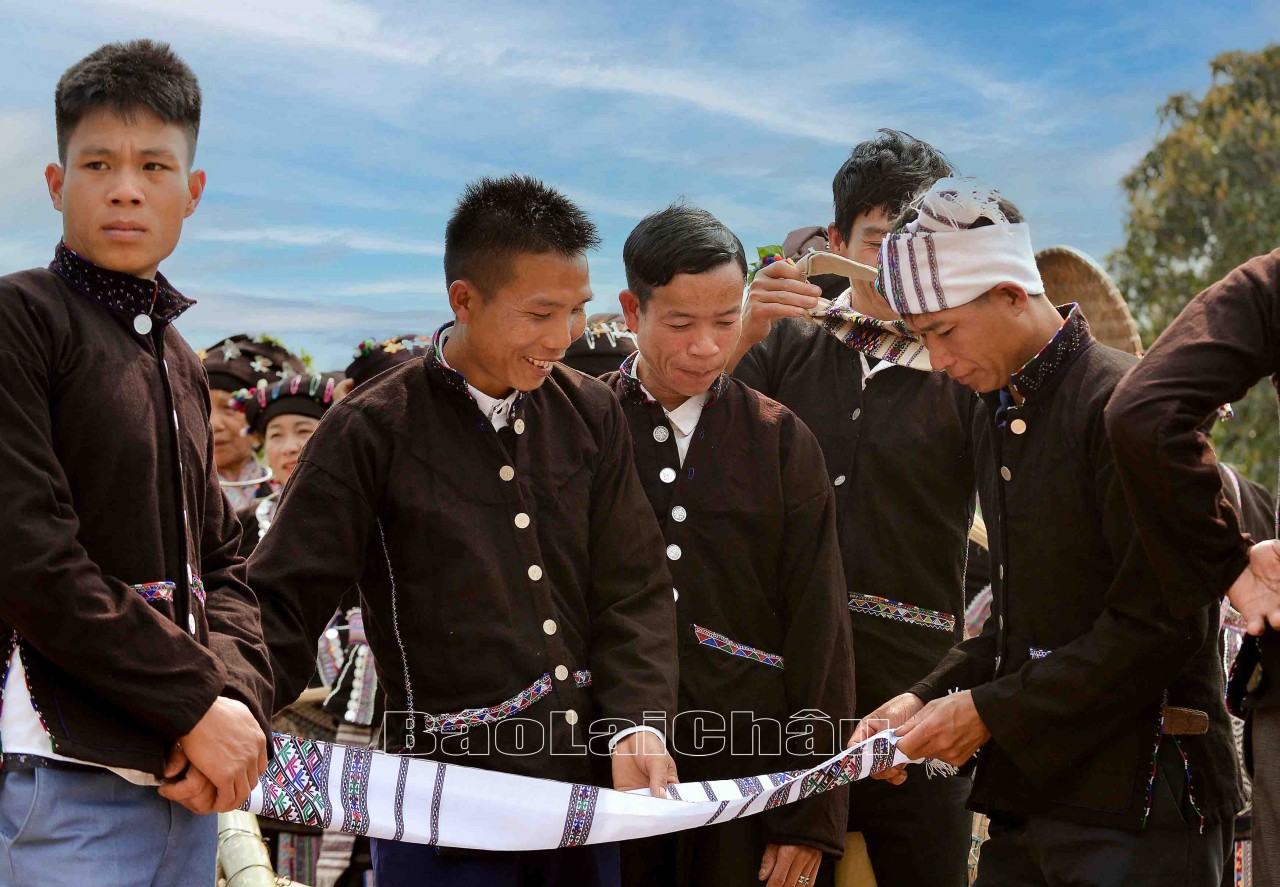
[940, 260]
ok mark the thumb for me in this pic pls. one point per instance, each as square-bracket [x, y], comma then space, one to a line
[657, 772]
[768, 861]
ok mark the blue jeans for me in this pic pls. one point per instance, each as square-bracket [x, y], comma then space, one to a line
[72, 828]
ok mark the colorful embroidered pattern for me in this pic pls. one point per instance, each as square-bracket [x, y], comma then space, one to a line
[870, 605]
[1064, 345]
[197, 588]
[355, 789]
[582, 810]
[461, 720]
[749, 786]
[709, 638]
[295, 785]
[401, 778]
[582, 678]
[1037, 653]
[777, 799]
[155, 591]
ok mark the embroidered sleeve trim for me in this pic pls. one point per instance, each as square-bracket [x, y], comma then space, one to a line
[870, 605]
[708, 638]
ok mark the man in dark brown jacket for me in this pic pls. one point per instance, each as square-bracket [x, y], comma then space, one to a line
[485, 501]
[1106, 755]
[134, 651]
[1226, 341]
[740, 490]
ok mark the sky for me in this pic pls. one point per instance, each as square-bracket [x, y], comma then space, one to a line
[337, 134]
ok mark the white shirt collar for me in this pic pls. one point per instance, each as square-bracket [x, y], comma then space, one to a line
[496, 409]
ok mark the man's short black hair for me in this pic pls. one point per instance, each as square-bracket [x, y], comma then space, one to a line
[498, 219]
[680, 239]
[126, 78]
[887, 171]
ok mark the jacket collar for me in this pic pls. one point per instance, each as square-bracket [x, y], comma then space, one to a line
[120, 293]
[454, 380]
[1038, 373]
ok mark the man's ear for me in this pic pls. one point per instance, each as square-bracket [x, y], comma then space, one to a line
[630, 309]
[835, 240]
[342, 389]
[1012, 295]
[53, 176]
[463, 297]
[195, 190]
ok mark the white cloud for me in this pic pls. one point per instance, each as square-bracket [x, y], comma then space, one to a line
[306, 236]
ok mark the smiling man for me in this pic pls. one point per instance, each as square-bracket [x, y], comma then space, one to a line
[485, 501]
[1106, 749]
[740, 490]
[134, 650]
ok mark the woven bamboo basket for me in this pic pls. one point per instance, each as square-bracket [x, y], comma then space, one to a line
[1071, 276]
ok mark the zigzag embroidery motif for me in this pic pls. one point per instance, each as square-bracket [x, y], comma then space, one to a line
[709, 638]
[870, 605]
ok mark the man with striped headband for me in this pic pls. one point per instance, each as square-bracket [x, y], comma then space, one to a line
[1106, 755]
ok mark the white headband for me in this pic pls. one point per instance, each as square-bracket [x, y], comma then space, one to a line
[941, 261]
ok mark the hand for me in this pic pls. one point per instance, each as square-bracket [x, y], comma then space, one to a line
[778, 290]
[785, 864]
[193, 790]
[229, 749]
[640, 760]
[892, 715]
[1256, 592]
[948, 729]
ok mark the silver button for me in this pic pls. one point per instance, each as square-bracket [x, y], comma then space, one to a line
[1006, 473]
[571, 717]
[562, 673]
[673, 552]
[191, 621]
[678, 514]
[1001, 622]
[1002, 571]
[142, 325]
[535, 572]
[522, 521]
[1017, 426]
[506, 472]
[549, 626]
[676, 593]
[839, 480]
[856, 413]
[661, 434]
[667, 475]
[518, 426]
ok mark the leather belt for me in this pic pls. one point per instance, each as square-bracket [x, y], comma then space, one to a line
[17, 762]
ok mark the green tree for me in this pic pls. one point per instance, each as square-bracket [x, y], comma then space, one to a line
[1203, 200]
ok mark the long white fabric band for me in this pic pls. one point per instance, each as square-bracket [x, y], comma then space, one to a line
[366, 792]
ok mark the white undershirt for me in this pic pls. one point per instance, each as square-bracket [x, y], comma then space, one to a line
[22, 733]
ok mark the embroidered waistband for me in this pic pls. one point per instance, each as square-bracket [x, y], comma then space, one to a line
[708, 638]
[871, 605]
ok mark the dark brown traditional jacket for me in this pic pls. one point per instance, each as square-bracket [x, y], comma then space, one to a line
[1071, 669]
[1226, 340]
[111, 507]
[518, 572]
[898, 455]
[749, 524]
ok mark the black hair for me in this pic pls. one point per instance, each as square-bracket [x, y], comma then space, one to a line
[126, 78]
[498, 219]
[680, 239]
[887, 171]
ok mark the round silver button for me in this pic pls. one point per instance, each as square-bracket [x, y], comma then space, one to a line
[1006, 473]
[678, 514]
[1017, 426]
[667, 475]
[673, 552]
[571, 717]
[522, 521]
[562, 673]
[661, 434]
[191, 621]
[518, 426]
[506, 472]
[549, 626]
[839, 480]
[535, 572]
[142, 324]
[676, 593]
[856, 413]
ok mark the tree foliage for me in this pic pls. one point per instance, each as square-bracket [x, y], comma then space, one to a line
[1203, 200]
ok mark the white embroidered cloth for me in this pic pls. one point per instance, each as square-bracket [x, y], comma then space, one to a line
[887, 340]
[366, 792]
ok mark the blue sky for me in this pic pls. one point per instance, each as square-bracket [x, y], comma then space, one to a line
[338, 133]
